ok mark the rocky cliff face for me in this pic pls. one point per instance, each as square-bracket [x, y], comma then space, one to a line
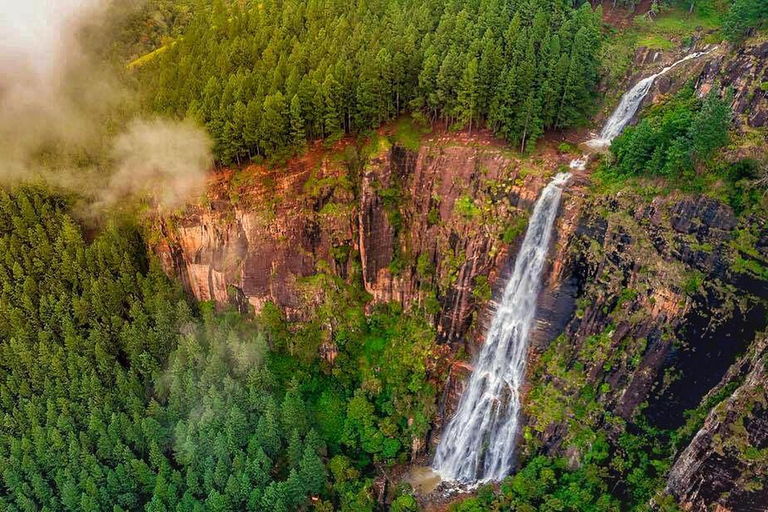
[742, 70]
[726, 464]
[650, 298]
[428, 228]
[648, 303]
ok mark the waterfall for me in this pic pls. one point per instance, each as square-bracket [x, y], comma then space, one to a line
[629, 104]
[478, 443]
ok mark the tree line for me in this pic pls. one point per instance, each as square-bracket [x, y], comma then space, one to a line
[265, 77]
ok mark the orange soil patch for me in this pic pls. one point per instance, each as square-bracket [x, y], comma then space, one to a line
[620, 17]
[277, 179]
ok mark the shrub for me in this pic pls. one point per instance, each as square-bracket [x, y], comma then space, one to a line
[466, 207]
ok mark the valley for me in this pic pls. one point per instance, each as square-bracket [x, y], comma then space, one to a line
[440, 256]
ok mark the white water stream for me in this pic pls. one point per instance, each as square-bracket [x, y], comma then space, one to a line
[478, 443]
[629, 104]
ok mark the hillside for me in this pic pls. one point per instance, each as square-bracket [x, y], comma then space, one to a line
[382, 255]
[431, 220]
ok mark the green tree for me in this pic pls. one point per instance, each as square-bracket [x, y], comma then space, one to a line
[742, 17]
[709, 128]
[312, 471]
[274, 124]
[467, 99]
[298, 137]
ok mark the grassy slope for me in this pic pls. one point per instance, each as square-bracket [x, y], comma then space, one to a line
[672, 28]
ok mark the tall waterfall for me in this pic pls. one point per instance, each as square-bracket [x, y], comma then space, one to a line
[478, 442]
[629, 104]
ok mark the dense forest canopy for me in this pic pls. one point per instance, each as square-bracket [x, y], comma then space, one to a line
[118, 392]
[264, 77]
[118, 395]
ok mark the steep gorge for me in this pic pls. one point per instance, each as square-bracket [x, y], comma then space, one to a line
[648, 301]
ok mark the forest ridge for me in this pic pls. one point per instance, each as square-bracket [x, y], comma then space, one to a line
[266, 77]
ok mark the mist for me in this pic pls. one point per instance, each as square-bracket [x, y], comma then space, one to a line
[64, 114]
[161, 158]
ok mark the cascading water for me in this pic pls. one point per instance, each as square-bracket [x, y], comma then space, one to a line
[478, 442]
[629, 104]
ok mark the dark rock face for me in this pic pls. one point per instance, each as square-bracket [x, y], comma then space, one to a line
[697, 216]
[707, 350]
[726, 464]
[653, 308]
[458, 374]
[743, 70]
[377, 236]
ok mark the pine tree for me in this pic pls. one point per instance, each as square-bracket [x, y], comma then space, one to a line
[295, 449]
[275, 498]
[267, 433]
[312, 471]
[529, 122]
[467, 95]
[331, 97]
[295, 490]
[298, 137]
[709, 128]
[274, 124]
[294, 412]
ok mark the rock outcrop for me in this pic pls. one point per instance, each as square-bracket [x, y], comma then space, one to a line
[726, 464]
[744, 73]
[648, 301]
[741, 70]
[428, 228]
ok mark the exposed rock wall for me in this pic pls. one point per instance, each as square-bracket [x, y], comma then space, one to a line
[261, 243]
[743, 70]
[655, 307]
[397, 228]
[647, 300]
[744, 73]
[727, 462]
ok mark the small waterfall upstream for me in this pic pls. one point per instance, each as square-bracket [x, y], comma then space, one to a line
[478, 442]
[629, 104]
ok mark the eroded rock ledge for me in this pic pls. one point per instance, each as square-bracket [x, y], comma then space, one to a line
[726, 464]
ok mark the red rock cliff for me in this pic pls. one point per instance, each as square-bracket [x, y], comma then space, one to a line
[426, 228]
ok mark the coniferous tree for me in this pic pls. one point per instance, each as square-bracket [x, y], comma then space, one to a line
[298, 136]
[709, 127]
[467, 99]
[431, 57]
